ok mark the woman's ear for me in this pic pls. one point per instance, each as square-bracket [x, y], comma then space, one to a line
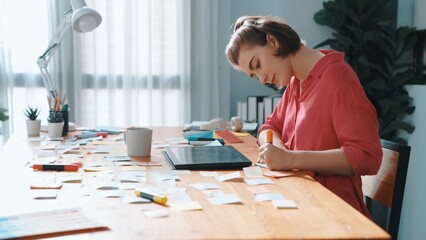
[272, 40]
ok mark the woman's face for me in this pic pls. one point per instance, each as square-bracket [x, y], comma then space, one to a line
[261, 63]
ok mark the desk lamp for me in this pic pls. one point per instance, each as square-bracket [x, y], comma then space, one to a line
[82, 19]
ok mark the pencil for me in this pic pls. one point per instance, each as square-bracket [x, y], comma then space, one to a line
[48, 101]
[63, 100]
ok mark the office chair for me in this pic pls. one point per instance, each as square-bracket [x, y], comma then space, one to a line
[386, 188]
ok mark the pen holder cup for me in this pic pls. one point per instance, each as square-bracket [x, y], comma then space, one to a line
[66, 123]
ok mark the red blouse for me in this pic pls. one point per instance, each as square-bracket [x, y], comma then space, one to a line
[332, 112]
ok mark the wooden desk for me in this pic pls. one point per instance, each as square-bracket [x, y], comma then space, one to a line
[320, 213]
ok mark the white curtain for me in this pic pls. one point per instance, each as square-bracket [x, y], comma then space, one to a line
[23, 35]
[149, 63]
[4, 83]
[134, 68]
[204, 72]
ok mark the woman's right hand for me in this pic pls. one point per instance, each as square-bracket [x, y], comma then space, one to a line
[276, 158]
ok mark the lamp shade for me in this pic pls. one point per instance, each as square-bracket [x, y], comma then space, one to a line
[84, 19]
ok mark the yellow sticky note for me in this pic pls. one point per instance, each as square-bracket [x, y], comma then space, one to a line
[241, 134]
[186, 206]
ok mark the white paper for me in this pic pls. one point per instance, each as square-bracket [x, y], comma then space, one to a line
[225, 199]
[44, 194]
[213, 193]
[130, 178]
[110, 193]
[75, 178]
[181, 172]
[252, 172]
[106, 186]
[208, 174]
[156, 213]
[258, 181]
[204, 186]
[227, 177]
[284, 203]
[268, 197]
[133, 199]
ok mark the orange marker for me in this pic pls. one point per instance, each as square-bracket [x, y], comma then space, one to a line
[56, 167]
[269, 136]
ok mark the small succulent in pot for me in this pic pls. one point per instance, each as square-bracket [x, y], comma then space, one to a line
[32, 113]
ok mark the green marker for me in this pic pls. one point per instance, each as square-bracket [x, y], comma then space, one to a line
[65, 108]
[152, 197]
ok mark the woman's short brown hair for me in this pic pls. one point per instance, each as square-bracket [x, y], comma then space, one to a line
[253, 30]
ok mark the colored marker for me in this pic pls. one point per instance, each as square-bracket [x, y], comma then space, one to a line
[269, 139]
[89, 135]
[155, 198]
[269, 136]
[56, 167]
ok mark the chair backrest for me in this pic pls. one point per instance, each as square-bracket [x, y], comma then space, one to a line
[387, 186]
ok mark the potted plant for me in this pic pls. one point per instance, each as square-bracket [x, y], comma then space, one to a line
[33, 124]
[55, 123]
[379, 52]
[3, 115]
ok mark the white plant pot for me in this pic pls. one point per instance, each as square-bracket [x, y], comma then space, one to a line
[55, 129]
[33, 127]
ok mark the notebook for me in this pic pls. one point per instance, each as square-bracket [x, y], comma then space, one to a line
[47, 224]
[205, 158]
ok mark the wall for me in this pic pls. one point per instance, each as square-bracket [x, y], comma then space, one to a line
[298, 14]
[414, 209]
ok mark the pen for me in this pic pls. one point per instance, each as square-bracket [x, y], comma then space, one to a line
[155, 198]
[56, 167]
[89, 135]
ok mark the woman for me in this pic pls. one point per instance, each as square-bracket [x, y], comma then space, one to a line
[324, 123]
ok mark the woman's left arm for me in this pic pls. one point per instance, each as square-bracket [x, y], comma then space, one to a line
[327, 161]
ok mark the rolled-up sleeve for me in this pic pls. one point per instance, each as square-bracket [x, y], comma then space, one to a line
[356, 126]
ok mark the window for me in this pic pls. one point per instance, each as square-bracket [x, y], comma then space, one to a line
[131, 70]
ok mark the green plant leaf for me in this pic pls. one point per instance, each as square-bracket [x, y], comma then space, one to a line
[397, 125]
[3, 114]
[55, 116]
[32, 112]
[379, 52]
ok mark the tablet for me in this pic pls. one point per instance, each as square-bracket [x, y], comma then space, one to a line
[205, 158]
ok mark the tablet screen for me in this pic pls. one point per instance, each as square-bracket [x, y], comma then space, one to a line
[214, 157]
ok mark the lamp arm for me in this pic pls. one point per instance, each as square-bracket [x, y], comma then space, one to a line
[55, 43]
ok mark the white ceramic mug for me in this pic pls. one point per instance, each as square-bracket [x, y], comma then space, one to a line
[138, 141]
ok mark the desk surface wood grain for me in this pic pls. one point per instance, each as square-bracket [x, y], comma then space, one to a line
[319, 215]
